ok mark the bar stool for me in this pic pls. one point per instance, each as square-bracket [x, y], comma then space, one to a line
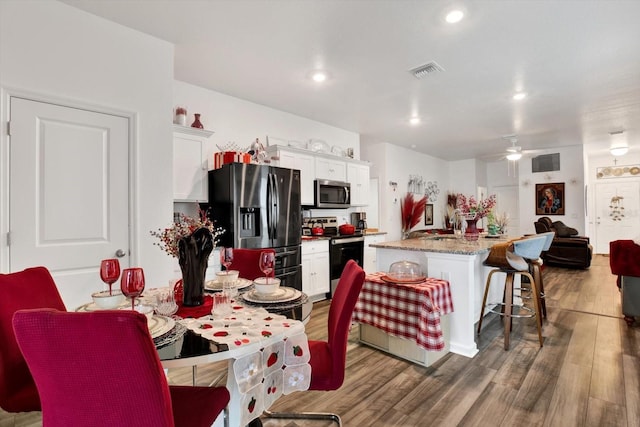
[511, 258]
[535, 268]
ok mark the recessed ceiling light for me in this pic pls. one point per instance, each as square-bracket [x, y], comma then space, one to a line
[454, 16]
[414, 120]
[519, 96]
[319, 76]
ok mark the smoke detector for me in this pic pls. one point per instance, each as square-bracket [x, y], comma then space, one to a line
[429, 68]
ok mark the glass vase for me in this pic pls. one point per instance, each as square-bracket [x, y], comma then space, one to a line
[196, 123]
[471, 232]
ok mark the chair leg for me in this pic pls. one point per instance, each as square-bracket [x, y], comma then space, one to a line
[537, 276]
[508, 308]
[484, 297]
[305, 416]
[536, 303]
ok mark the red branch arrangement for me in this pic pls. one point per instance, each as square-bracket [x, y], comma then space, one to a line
[412, 211]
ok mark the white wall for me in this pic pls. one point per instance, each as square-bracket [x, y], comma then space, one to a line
[240, 121]
[571, 173]
[391, 163]
[51, 49]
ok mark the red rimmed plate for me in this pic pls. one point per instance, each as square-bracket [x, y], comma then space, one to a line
[408, 281]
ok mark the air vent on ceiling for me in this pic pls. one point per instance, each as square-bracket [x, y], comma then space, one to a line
[423, 70]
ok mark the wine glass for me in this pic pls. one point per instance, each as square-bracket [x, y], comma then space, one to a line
[226, 257]
[132, 284]
[109, 271]
[267, 263]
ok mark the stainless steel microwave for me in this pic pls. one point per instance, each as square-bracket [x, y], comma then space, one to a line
[332, 194]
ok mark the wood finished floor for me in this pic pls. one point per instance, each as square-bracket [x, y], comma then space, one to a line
[587, 373]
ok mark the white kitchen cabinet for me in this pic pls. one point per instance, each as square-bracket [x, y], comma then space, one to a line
[315, 269]
[370, 264]
[358, 176]
[333, 169]
[305, 163]
[190, 164]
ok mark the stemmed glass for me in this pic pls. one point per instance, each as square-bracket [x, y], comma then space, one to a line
[109, 271]
[267, 263]
[132, 284]
[226, 257]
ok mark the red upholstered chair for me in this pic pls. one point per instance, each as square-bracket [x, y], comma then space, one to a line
[30, 288]
[246, 262]
[328, 358]
[102, 369]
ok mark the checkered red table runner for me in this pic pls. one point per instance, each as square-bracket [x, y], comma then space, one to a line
[406, 310]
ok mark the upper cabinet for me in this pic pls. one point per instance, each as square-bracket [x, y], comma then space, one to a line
[314, 166]
[305, 163]
[333, 169]
[358, 176]
[190, 164]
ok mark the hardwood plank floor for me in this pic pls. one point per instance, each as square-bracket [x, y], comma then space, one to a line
[587, 373]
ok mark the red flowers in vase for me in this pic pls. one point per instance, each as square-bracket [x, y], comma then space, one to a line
[411, 211]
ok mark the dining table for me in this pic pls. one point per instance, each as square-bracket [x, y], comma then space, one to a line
[263, 341]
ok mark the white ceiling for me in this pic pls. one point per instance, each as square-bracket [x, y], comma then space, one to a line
[579, 62]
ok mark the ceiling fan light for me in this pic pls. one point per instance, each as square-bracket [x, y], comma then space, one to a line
[514, 156]
[619, 151]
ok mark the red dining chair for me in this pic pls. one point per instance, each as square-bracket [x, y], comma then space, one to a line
[246, 261]
[328, 358]
[102, 369]
[30, 288]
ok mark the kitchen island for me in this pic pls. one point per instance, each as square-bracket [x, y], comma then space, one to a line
[458, 261]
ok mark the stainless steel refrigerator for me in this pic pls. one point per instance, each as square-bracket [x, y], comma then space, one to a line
[259, 207]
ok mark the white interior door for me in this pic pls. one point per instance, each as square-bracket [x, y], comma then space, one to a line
[610, 225]
[69, 192]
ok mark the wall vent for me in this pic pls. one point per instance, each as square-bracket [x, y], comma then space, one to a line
[429, 68]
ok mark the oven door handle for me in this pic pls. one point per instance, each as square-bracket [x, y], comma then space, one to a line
[347, 240]
[281, 254]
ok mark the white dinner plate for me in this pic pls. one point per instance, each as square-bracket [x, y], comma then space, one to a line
[91, 306]
[160, 325]
[283, 294]
[215, 285]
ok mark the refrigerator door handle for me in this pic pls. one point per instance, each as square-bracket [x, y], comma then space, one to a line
[269, 211]
[276, 206]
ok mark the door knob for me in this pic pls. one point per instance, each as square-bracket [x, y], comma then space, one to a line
[120, 253]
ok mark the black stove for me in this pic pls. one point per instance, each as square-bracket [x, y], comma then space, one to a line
[342, 247]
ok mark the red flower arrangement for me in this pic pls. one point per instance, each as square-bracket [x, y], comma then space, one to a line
[470, 206]
[183, 227]
[411, 211]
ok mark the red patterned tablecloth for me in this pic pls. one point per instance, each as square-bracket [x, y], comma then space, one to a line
[406, 310]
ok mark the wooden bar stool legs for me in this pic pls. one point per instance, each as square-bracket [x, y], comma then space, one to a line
[508, 306]
[536, 272]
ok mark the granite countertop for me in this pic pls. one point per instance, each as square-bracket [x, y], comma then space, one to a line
[313, 238]
[443, 244]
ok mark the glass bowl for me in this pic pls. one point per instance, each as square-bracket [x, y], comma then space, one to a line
[405, 271]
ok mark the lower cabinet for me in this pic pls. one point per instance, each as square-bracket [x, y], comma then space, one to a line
[370, 264]
[315, 269]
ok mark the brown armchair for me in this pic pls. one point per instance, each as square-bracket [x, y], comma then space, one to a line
[567, 249]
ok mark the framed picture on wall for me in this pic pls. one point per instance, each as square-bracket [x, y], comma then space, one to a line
[550, 199]
[428, 214]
